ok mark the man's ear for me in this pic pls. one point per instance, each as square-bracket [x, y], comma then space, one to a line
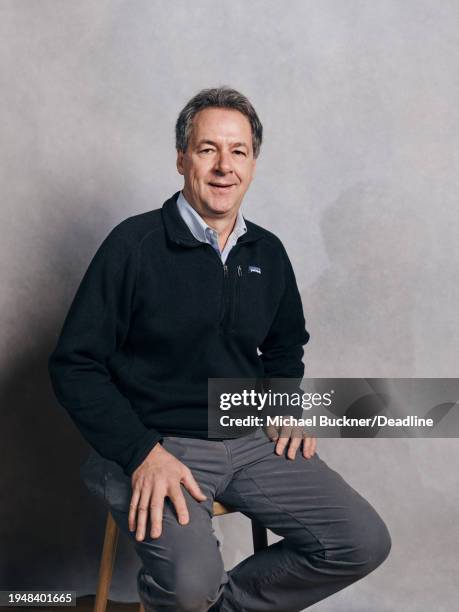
[180, 162]
[254, 165]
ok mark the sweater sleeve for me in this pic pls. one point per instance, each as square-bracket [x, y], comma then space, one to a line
[94, 329]
[282, 349]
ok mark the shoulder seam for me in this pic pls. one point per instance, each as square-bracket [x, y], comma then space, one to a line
[135, 242]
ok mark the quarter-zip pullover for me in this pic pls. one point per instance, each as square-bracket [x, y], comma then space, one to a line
[156, 314]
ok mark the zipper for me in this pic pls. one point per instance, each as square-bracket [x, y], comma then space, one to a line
[230, 295]
[225, 291]
[236, 298]
[230, 299]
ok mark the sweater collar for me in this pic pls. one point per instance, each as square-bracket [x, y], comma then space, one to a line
[179, 232]
[200, 229]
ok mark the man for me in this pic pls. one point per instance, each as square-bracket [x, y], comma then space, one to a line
[175, 296]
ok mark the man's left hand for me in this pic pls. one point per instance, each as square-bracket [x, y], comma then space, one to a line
[294, 437]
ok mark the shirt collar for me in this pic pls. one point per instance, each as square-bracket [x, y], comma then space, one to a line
[199, 227]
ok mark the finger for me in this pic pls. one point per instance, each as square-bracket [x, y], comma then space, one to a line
[142, 513]
[133, 508]
[280, 446]
[178, 499]
[283, 440]
[156, 513]
[293, 447]
[314, 446]
[272, 433]
[193, 487]
[309, 446]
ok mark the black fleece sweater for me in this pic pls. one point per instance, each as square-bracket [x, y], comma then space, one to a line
[156, 315]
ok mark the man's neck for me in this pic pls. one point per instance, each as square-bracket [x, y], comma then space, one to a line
[223, 225]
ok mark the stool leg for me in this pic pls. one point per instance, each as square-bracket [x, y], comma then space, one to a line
[259, 535]
[106, 564]
[141, 608]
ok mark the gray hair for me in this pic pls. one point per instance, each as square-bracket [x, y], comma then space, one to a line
[217, 97]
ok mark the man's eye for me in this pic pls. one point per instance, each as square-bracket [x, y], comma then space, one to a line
[240, 152]
[205, 150]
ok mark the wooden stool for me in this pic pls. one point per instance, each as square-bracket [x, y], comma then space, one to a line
[259, 535]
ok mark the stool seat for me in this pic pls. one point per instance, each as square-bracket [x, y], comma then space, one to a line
[107, 562]
[219, 509]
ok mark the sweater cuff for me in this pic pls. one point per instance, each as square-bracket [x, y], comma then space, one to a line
[145, 445]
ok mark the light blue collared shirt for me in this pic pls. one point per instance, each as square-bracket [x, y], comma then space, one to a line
[204, 233]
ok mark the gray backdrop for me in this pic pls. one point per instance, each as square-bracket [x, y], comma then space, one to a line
[358, 176]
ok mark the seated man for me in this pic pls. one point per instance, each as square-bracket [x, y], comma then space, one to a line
[174, 296]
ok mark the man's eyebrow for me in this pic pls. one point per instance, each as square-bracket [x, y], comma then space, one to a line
[214, 144]
[241, 144]
[211, 142]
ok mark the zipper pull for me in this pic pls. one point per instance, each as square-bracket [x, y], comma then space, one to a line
[225, 271]
[239, 271]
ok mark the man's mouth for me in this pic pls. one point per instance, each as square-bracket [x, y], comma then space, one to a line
[221, 186]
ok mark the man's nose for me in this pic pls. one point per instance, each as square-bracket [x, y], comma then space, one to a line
[223, 162]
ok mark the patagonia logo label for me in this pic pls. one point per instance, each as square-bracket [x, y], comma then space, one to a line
[255, 269]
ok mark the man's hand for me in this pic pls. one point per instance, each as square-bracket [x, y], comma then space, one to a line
[159, 476]
[296, 436]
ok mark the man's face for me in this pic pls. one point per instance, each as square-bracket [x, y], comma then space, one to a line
[218, 165]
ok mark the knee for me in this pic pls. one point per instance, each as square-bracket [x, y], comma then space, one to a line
[191, 588]
[196, 594]
[367, 545]
[374, 547]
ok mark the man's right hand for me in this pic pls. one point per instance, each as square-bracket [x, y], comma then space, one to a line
[157, 477]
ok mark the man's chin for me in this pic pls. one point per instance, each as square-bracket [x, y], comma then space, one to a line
[221, 205]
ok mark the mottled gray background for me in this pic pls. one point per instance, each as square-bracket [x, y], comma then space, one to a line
[359, 177]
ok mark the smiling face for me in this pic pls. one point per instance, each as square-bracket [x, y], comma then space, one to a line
[218, 165]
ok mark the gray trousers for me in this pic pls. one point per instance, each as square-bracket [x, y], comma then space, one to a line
[332, 536]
